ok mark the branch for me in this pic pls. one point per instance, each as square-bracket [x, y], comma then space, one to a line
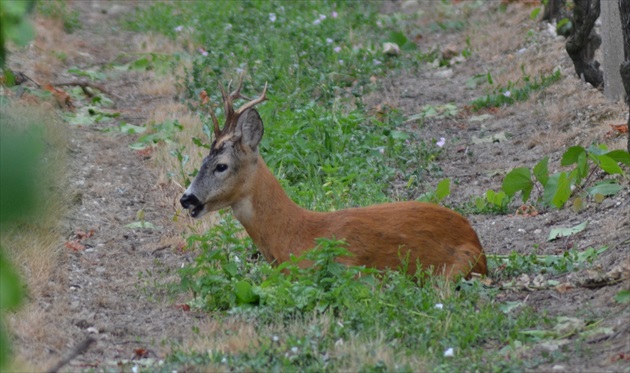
[78, 350]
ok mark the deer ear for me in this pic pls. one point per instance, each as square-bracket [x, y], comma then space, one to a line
[250, 128]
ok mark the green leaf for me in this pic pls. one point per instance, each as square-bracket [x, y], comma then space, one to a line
[565, 232]
[621, 156]
[519, 179]
[571, 155]
[609, 165]
[244, 293]
[443, 189]
[550, 189]
[563, 191]
[130, 129]
[606, 188]
[582, 167]
[623, 296]
[398, 38]
[541, 171]
[10, 285]
[399, 135]
[534, 13]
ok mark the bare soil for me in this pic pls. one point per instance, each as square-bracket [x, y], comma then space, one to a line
[110, 291]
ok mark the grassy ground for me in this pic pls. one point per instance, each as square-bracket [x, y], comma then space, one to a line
[337, 135]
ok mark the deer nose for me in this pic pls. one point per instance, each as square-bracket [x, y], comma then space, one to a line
[188, 200]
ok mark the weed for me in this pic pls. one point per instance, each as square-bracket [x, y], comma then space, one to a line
[58, 9]
[513, 93]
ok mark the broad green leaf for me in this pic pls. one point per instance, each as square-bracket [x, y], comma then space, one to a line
[398, 38]
[10, 285]
[519, 179]
[571, 155]
[565, 232]
[563, 191]
[621, 156]
[244, 292]
[550, 189]
[582, 167]
[609, 165]
[399, 135]
[534, 13]
[623, 296]
[443, 189]
[607, 188]
[507, 307]
[130, 129]
[541, 171]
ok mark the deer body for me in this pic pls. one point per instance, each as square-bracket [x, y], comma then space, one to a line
[378, 236]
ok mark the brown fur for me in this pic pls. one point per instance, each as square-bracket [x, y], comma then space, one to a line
[378, 236]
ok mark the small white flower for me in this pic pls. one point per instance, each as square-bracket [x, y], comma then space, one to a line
[341, 62]
[381, 150]
[439, 306]
[329, 40]
[179, 28]
[294, 350]
[337, 49]
[441, 142]
[376, 62]
[317, 21]
[135, 369]
[228, 27]
[507, 94]
[275, 338]
[203, 52]
[449, 352]
[272, 17]
[322, 17]
[334, 14]
[224, 361]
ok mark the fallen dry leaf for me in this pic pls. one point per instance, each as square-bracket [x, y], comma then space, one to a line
[183, 307]
[75, 246]
[621, 128]
[63, 99]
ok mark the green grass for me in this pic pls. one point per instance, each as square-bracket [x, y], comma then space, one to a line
[329, 152]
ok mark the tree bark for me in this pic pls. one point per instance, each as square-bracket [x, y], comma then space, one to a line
[624, 68]
[583, 42]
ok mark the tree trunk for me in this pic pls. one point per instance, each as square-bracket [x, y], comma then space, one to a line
[583, 42]
[624, 68]
[553, 10]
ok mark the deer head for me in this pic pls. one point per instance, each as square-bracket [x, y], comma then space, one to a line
[226, 174]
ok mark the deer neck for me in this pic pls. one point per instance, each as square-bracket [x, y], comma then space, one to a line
[269, 216]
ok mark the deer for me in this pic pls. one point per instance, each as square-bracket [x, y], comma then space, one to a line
[428, 236]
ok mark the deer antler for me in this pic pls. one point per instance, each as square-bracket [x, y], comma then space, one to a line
[231, 116]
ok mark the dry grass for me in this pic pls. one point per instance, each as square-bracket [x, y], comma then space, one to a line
[34, 244]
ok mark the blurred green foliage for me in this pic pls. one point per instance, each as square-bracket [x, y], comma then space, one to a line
[14, 24]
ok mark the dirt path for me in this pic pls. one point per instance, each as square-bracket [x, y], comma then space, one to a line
[108, 291]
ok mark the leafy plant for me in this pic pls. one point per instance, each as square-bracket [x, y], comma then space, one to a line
[515, 264]
[556, 189]
[14, 24]
[160, 132]
[442, 190]
[513, 93]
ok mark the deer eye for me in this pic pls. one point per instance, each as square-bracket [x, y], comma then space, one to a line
[221, 167]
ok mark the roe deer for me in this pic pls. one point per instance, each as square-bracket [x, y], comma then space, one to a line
[235, 175]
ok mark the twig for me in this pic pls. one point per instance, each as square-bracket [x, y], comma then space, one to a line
[78, 350]
[84, 86]
[160, 249]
